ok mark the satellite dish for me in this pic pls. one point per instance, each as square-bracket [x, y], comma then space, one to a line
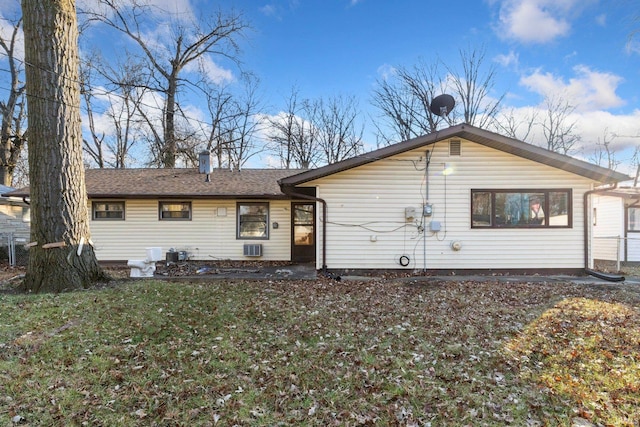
[442, 105]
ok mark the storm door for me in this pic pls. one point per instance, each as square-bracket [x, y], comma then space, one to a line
[303, 232]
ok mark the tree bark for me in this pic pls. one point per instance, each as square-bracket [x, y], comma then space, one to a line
[58, 194]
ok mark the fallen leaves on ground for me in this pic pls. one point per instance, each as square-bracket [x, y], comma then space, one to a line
[318, 353]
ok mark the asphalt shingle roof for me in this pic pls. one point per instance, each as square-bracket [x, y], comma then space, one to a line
[182, 183]
[153, 183]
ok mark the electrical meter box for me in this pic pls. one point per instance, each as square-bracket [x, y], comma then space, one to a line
[427, 209]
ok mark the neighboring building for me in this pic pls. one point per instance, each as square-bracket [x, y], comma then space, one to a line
[616, 225]
[14, 228]
[458, 199]
[14, 215]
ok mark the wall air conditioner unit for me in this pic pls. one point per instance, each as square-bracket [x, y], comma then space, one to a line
[254, 249]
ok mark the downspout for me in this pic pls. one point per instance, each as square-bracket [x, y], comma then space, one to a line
[586, 216]
[290, 192]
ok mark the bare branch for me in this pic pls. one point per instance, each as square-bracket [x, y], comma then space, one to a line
[168, 59]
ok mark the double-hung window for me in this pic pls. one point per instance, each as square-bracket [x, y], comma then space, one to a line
[253, 220]
[107, 210]
[521, 208]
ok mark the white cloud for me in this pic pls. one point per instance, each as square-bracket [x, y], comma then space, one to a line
[181, 10]
[269, 10]
[510, 59]
[6, 32]
[588, 91]
[633, 46]
[623, 130]
[535, 21]
[213, 71]
[601, 20]
[386, 71]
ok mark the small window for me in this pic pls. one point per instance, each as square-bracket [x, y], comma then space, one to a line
[520, 208]
[253, 220]
[108, 211]
[175, 211]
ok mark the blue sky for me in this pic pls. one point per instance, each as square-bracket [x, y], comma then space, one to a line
[580, 49]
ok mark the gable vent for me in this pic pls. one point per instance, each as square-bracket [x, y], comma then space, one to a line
[455, 147]
[252, 249]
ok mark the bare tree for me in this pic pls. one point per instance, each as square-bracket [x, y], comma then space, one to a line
[307, 148]
[559, 132]
[62, 257]
[95, 148]
[604, 153]
[244, 125]
[219, 104]
[167, 61]
[518, 126]
[404, 98]
[340, 134]
[12, 109]
[635, 160]
[282, 130]
[125, 91]
[473, 88]
[292, 138]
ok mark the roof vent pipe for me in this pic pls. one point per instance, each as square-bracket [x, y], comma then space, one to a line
[205, 164]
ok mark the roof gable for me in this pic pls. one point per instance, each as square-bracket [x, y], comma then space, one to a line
[474, 134]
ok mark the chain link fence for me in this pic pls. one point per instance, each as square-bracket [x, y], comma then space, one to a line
[12, 249]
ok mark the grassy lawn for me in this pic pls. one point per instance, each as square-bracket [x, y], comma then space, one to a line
[321, 353]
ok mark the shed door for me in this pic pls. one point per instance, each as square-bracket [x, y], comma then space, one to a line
[303, 232]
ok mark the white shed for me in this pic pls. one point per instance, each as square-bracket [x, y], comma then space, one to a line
[616, 225]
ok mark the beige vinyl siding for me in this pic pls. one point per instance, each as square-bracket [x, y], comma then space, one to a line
[15, 219]
[207, 236]
[366, 217]
[608, 228]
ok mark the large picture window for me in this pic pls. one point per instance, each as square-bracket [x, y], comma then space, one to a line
[520, 208]
[108, 210]
[253, 220]
[174, 211]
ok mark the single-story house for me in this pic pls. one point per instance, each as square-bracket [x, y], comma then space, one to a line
[462, 198]
[616, 225]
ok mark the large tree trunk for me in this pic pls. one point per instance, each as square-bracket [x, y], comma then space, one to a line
[59, 213]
